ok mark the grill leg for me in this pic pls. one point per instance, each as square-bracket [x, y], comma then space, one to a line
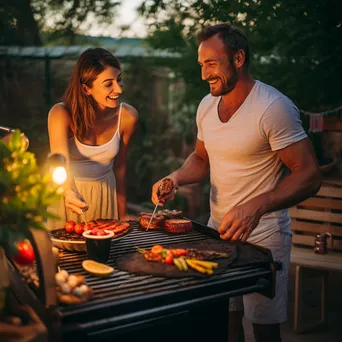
[211, 320]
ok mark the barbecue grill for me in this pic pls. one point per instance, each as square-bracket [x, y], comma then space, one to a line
[127, 305]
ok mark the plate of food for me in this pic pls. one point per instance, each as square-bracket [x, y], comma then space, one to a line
[70, 237]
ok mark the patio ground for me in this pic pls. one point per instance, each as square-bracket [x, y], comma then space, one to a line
[332, 332]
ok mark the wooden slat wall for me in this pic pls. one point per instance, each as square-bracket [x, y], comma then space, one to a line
[329, 191]
[316, 215]
[319, 214]
[315, 228]
[322, 203]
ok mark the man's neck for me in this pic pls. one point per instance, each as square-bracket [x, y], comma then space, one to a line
[232, 101]
[239, 94]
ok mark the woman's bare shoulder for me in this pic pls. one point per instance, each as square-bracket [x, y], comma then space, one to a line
[59, 112]
[130, 111]
[59, 117]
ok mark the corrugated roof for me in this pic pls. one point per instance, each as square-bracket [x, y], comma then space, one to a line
[121, 51]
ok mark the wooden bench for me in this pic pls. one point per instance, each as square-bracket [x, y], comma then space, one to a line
[319, 214]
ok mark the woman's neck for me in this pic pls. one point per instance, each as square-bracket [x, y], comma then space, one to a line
[103, 114]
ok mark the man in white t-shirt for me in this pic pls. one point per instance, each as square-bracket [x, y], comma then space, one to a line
[251, 141]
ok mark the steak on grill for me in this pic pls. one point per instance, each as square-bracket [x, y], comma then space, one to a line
[177, 225]
[157, 221]
[170, 214]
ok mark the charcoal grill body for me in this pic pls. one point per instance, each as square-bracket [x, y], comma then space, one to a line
[127, 306]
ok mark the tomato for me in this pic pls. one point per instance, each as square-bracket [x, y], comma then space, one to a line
[98, 232]
[79, 228]
[87, 227]
[90, 225]
[169, 259]
[70, 226]
[26, 254]
[156, 249]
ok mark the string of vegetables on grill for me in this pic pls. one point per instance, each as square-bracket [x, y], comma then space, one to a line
[198, 260]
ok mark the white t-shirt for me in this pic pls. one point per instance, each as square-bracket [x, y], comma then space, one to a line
[242, 152]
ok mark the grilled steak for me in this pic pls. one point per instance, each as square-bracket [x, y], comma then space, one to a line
[177, 225]
[170, 214]
[157, 221]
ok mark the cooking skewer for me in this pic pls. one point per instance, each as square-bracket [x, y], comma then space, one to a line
[83, 218]
[155, 208]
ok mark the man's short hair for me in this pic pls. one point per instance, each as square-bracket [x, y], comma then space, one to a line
[233, 38]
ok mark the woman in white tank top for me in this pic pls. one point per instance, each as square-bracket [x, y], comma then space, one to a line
[92, 129]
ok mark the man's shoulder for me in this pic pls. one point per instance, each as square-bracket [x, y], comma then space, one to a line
[269, 92]
[266, 97]
[206, 102]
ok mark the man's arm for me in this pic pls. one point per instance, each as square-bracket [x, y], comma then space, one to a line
[194, 169]
[303, 182]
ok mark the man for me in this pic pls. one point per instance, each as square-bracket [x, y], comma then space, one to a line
[249, 136]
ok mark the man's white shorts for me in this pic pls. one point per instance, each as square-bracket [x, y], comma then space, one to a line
[258, 308]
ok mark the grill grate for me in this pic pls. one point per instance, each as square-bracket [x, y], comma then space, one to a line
[122, 284]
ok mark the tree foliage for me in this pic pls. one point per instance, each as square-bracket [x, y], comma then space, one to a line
[296, 44]
[23, 21]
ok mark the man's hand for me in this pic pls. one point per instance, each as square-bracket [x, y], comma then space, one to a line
[156, 190]
[240, 221]
[75, 201]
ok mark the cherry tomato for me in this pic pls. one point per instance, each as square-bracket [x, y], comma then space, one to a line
[90, 225]
[26, 254]
[169, 259]
[95, 231]
[87, 227]
[98, 232]
[79, 228]
[156, 249]
[70, 226]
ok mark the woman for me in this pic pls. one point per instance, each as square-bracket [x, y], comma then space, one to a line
[92, 129]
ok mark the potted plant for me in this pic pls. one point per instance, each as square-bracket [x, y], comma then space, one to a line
[26, 191]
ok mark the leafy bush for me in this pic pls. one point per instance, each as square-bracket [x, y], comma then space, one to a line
[25, 192]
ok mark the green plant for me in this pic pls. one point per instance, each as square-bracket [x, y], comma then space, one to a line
[25, 193]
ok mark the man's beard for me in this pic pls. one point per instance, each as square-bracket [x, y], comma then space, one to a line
[228, 86]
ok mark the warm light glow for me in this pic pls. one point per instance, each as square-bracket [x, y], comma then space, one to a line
[59, 175]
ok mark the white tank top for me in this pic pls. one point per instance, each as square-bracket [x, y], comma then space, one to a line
[94, 162]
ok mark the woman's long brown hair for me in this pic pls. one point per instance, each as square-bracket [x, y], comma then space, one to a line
[80, 105]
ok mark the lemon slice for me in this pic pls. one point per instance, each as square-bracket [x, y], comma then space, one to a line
[97, 268]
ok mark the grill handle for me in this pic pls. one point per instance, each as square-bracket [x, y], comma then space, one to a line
[46, 266]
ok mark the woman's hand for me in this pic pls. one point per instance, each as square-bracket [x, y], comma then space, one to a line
[75, 201]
